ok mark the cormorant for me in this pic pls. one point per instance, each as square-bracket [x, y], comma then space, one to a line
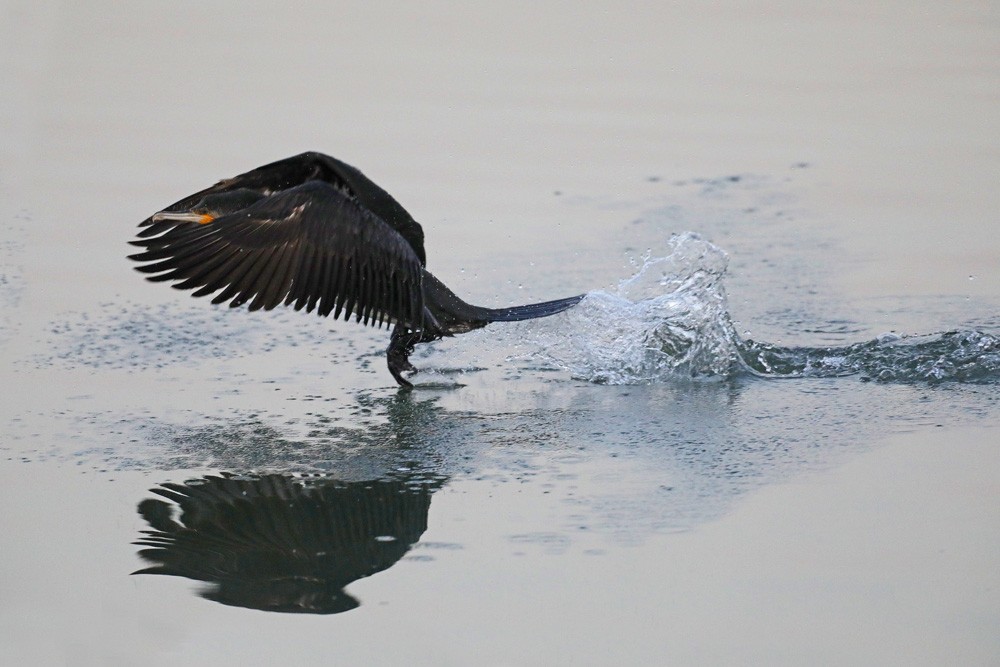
[313, 232]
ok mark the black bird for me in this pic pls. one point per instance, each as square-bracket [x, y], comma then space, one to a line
[313, 232]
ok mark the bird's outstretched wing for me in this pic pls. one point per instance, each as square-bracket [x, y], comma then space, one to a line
[310, 246]
[312, 166]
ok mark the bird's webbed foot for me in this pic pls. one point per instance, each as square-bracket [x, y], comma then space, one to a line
[398, 364]
[398, 354]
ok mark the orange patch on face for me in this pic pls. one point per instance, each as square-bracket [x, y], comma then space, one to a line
[205, 219]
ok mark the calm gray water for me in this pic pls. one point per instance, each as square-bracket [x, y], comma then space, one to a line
[769, 434]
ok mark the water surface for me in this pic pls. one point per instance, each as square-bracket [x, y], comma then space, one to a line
[769, 434]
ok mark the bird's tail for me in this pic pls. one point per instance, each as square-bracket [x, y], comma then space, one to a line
[451, 315]
[531, 311]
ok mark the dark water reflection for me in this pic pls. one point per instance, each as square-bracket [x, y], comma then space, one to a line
[292, 541]
[310, 506]
[280, 542]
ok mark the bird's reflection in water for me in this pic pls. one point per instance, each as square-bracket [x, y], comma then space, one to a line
[283, 542]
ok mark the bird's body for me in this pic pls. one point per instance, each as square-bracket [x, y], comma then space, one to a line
[314, 233]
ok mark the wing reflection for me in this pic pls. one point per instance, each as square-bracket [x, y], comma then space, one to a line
[282, 542]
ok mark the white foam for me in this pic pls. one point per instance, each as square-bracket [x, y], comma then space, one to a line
[668, 321]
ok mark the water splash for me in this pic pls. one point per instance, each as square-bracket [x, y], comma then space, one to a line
[670, 321]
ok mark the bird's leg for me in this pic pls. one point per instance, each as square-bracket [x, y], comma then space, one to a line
[398, 353]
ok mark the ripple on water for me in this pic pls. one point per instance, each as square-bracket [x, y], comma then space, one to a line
[155, 336]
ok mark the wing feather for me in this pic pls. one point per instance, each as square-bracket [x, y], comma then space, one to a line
[201, 257]
[286, 174]
[311, 246]
[319, 278]
[266, 281]
[300, 277]
[339, 278]
[216, 276]
[236, 292]
[281, 281]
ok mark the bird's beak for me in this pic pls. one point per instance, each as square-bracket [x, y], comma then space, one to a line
[183, 216]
